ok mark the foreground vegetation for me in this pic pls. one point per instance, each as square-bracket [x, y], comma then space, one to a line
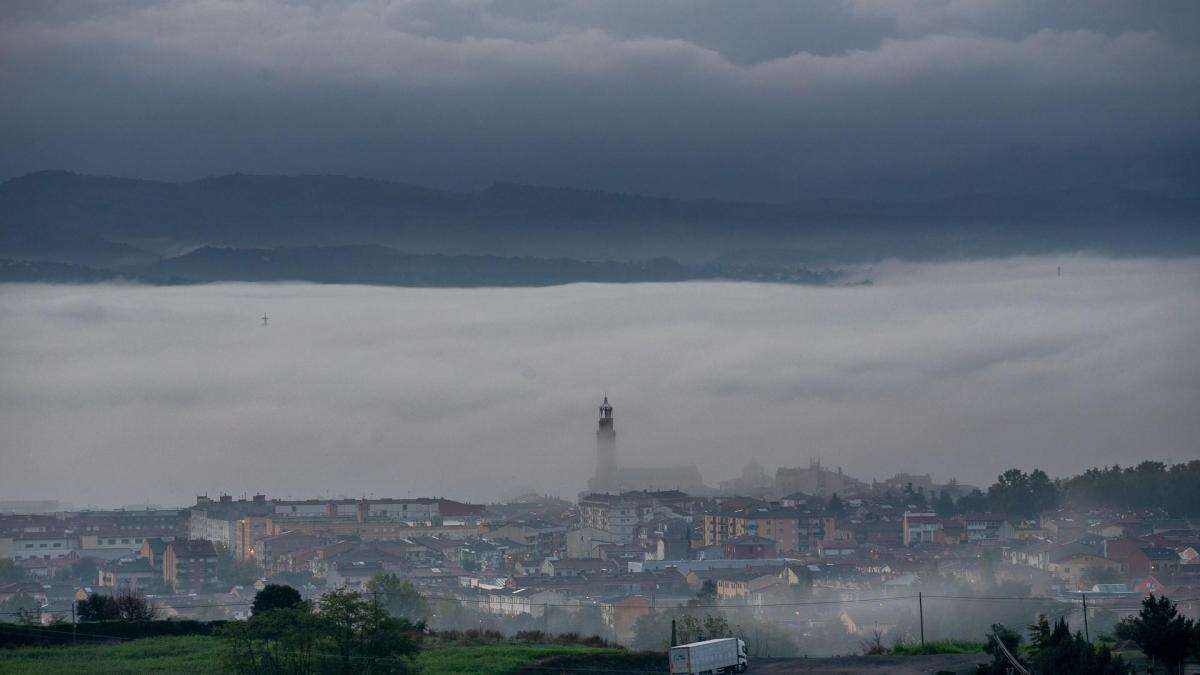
[191, 653]
[937, 647]
[203, 654]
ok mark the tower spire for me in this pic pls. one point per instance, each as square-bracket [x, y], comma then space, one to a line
[606, 449]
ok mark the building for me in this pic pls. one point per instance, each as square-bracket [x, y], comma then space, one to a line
[248, 531]
[414, 510]
[623, 514]
[216, 521]
[129, 575]
[750, 546]
[792, 529]
[611, 477]
[921, 528]
[817, 480]
[1080, 568]
[586, 541]
[110, 545]
[189, 564]
[982, 527]
[43, 546]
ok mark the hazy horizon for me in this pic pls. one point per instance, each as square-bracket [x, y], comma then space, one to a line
[128, 394]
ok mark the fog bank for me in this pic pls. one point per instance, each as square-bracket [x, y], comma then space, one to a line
[124, 394]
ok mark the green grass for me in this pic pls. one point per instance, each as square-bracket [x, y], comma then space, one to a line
[937, 647]
[494, 659]
[201, 654]
[180, 654]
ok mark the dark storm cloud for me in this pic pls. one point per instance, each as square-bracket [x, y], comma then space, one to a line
[962, 370]
[756, 99]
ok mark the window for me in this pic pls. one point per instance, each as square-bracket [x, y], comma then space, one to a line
[57, 544]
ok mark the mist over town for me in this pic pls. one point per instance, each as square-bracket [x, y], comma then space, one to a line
[403, 336]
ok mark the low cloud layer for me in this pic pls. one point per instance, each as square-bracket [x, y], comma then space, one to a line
[757, 99]
[127, 394]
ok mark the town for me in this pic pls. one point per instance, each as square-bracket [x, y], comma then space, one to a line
[809, 560]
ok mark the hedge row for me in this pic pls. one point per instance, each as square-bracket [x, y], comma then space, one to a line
[19, 635]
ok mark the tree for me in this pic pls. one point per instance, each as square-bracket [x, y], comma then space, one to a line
[707, 595]
[98, 607]
[1056, 650]
[125, 606]
[11, 571]
[133, 606]
[275, 596]
[20, 608]
[836, 507]
[361, 633]
[944, 504]
[399, 598]
[972, 502]
[1160, 631]
[1043, 493]
[349, 634]
[1000, 664]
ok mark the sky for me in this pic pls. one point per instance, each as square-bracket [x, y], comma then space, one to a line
[124, 394]
[758, 99]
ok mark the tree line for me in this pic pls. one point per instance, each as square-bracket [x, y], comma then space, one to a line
[1171, 489]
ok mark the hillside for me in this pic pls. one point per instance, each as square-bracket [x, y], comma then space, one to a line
[104, 221]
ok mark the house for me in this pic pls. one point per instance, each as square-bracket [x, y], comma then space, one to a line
[750, 546]
[1156, 560]
[189, 564]
[571, 567]
[129, 574]
[987, 527]
[152, 550]
[738, 584]
[1149, 585]
[110, 545]
[585, 541]
[921, 528]
[1080, 568]
[621, 615]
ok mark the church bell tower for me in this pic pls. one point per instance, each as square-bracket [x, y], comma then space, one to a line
[606, 449]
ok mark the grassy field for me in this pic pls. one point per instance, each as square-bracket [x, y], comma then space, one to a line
[494, 659]
[198, 654]
[937, 647]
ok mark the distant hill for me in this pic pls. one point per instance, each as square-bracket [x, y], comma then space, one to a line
[118, 222]
[380, 265]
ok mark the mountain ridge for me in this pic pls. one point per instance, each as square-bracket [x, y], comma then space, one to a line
[77, 218]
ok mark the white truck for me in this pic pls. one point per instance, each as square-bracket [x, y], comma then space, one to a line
[711, 656]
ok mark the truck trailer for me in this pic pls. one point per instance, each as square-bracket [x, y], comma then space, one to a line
[724, 655]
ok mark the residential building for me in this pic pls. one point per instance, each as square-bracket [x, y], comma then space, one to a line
[189, 564]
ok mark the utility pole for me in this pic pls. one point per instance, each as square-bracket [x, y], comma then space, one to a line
[546, 618]
[1086, 635]
[73, 621]
[673, 642]
[921, 613]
